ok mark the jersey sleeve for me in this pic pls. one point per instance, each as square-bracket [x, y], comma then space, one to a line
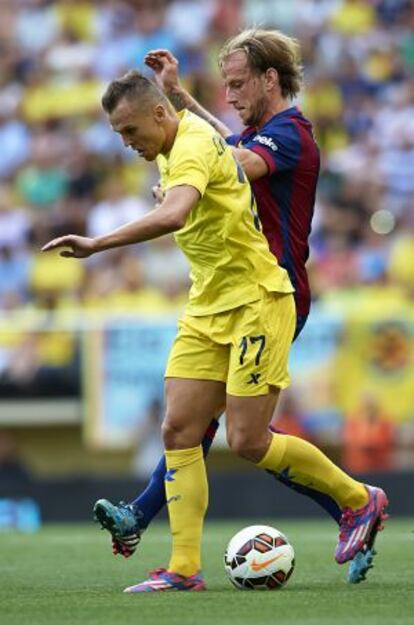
[279, 146]
[233, 139]
[163, 169]
[191, 164]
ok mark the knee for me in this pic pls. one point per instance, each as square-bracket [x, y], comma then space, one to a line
[171, 432]
[178, 435]
[248, 445]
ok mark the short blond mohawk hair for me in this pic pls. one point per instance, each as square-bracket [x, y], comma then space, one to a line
[267, 49]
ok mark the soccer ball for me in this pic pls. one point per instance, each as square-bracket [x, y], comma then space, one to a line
[259, 557]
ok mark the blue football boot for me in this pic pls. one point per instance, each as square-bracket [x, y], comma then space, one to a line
[360, 565]
[122, 523]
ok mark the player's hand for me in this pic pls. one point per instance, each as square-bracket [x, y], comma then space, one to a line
[79, 247]
[165, 67]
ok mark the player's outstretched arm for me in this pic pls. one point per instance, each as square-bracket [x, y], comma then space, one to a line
[169, 216]
[165, 67]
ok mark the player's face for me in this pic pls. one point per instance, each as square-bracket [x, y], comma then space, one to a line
[245, 90]
[140, 129]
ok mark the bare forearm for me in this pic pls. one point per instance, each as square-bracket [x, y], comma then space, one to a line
[153, 225]
[169, 216]
[181, 99]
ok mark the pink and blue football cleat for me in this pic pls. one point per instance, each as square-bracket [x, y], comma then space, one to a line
[161, 580]
[358, 531]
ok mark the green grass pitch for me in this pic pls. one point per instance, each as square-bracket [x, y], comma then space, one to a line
[66, 575]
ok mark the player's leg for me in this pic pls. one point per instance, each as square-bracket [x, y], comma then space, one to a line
[190, 406]
[324, 501]
[191, 403]
[126, 522]
[151, 501]
[363, 560]
[362, 506]
[195, 392]
[190, 356]
[258, 364]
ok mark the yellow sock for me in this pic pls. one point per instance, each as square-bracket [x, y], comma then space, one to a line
[307, 465]
[186, 491]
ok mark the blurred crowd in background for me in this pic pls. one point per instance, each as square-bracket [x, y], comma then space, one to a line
[62, 169]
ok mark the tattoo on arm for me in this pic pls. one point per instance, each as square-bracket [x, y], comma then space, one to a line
[178, 101]
[181, 100]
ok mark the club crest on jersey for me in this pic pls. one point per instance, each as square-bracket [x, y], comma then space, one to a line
[266, 141]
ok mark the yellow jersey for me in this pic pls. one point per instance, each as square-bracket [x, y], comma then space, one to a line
[228, 254]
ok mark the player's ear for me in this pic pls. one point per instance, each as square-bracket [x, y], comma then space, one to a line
[159, 112]
[271, 78]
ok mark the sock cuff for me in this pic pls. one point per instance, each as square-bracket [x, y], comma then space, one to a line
[177, 458]
[274, 455]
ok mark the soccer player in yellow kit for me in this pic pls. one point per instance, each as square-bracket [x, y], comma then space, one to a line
[232, 347]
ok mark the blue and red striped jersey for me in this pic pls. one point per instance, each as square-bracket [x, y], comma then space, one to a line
[286, 196]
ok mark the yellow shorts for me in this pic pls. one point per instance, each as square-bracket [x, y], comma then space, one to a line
[247, 348]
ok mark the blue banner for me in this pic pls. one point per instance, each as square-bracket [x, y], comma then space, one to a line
[124, 374]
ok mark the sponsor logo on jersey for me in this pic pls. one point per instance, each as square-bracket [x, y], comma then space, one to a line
[266, 141]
